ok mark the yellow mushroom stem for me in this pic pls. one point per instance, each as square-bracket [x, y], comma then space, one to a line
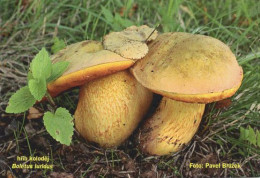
[110, 108]
[171, 127]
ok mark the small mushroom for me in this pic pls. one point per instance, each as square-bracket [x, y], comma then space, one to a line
[186, 68]
[110, 108]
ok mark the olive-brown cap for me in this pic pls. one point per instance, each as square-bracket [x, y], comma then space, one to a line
[189, 68]
[87, 61]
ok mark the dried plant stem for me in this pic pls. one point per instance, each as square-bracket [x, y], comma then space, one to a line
[51, 101]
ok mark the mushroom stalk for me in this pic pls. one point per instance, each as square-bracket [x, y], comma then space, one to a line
[110, 108]
[171, 127]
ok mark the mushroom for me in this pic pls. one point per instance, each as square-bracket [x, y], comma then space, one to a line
[110, 104]
[89, 60]
[186, 68]
[110, 108]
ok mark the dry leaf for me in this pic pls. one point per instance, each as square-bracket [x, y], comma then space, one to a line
[9, 174]
[29, 129]
[34, 113]
[131, 42]
[2, 124]
[223, 103]
[122, 11]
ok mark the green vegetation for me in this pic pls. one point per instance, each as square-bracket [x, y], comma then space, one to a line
[28, 25]
[59, 125]
[41, 72]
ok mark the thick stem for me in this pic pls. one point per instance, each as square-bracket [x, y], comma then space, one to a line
[171, 127]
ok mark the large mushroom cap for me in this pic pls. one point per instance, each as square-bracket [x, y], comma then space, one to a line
[189, 68]
[88, 60]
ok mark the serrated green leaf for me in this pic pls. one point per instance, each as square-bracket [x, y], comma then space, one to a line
[59, 125]
[37, 88]
[21, 101]
[57, 70]
[258, 138]
[57, 45]
[41, 65]
[251, 136]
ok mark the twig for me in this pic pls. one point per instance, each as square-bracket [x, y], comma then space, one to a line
[152, 33]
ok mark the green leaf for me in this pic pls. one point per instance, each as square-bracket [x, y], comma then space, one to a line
[251, 136]
[57, 70]
[29, 76]
[219, 142]
[126, 23]
[37, 88]
[21, 101]
[107, 14]
[123, 22]
[58, 45]
[59, 125]
[41, 65]
[243, 133]
[258, 138]
[241, 152]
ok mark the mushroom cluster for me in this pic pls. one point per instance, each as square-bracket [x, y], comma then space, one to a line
[189, 71]
[119, 77]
